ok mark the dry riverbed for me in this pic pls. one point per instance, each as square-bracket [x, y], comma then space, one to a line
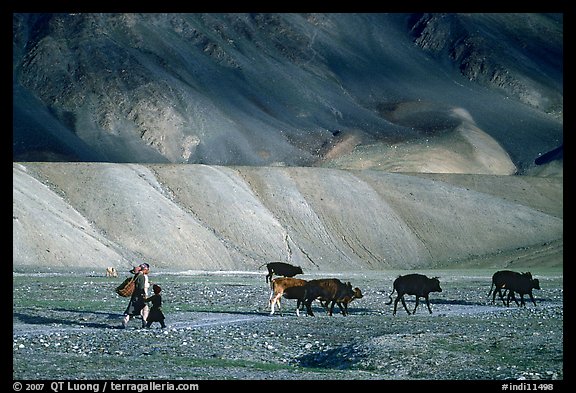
[66, 325]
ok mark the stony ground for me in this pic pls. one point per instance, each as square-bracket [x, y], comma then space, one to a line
[66, 326]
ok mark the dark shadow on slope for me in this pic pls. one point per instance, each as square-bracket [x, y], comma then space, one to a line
[425, 118]
[555, 154]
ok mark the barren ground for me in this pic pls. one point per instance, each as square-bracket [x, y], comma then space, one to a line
[219, 328]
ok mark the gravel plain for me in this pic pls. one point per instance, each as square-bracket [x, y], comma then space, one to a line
[66, 325]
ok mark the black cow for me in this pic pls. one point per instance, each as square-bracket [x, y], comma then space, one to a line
[281, 269]
[414, 284]
[514, 282]
[298, 293]
[330, 290]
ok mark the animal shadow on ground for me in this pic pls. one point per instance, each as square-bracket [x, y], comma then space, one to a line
[212, 311]
[458, 302]
[72, 320]
[481, 302]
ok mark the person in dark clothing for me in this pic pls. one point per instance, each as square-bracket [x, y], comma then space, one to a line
[137, 305]
[156, 314]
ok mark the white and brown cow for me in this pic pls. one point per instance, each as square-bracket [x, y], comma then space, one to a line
[278, 286]
[111, 272]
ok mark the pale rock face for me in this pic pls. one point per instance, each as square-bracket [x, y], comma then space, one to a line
[237, 218]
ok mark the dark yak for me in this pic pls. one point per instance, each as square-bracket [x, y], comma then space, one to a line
[414, 284]
[514, 282]
[281, 269]
[330, 290]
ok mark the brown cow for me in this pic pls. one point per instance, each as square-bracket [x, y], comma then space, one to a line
[298, 292]
[278, 286]
[343, 303]
[330, 290]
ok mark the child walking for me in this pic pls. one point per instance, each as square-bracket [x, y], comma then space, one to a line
[156, 314]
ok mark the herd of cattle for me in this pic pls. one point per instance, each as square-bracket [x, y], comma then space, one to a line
[332, 291]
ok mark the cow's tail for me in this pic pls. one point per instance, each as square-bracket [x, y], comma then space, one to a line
[260, 267]
[390, 296]
[491, 287]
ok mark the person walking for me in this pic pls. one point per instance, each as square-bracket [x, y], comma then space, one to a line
[156, 314]
[137, 305]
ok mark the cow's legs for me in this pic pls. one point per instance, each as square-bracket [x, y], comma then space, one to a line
[395, 304]
[522, 303]
[499, 291]
[532, 298]
[493, 293]
[512, 296]
[341, 309]
[275, 300]
[270, 299]
[308, 303]
[501, 295]
[417, 302]
[299, 306]
[345, 306]
[404, 304]
[332, 307]
[428, 304]
[516, 301]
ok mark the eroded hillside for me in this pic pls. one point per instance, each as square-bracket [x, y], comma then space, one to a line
[228, 218]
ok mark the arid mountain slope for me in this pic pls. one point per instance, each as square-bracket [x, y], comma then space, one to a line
[237, 218]
[342, 90]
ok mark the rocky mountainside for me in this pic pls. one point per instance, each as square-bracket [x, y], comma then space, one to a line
[332, 141]
[465, 93]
